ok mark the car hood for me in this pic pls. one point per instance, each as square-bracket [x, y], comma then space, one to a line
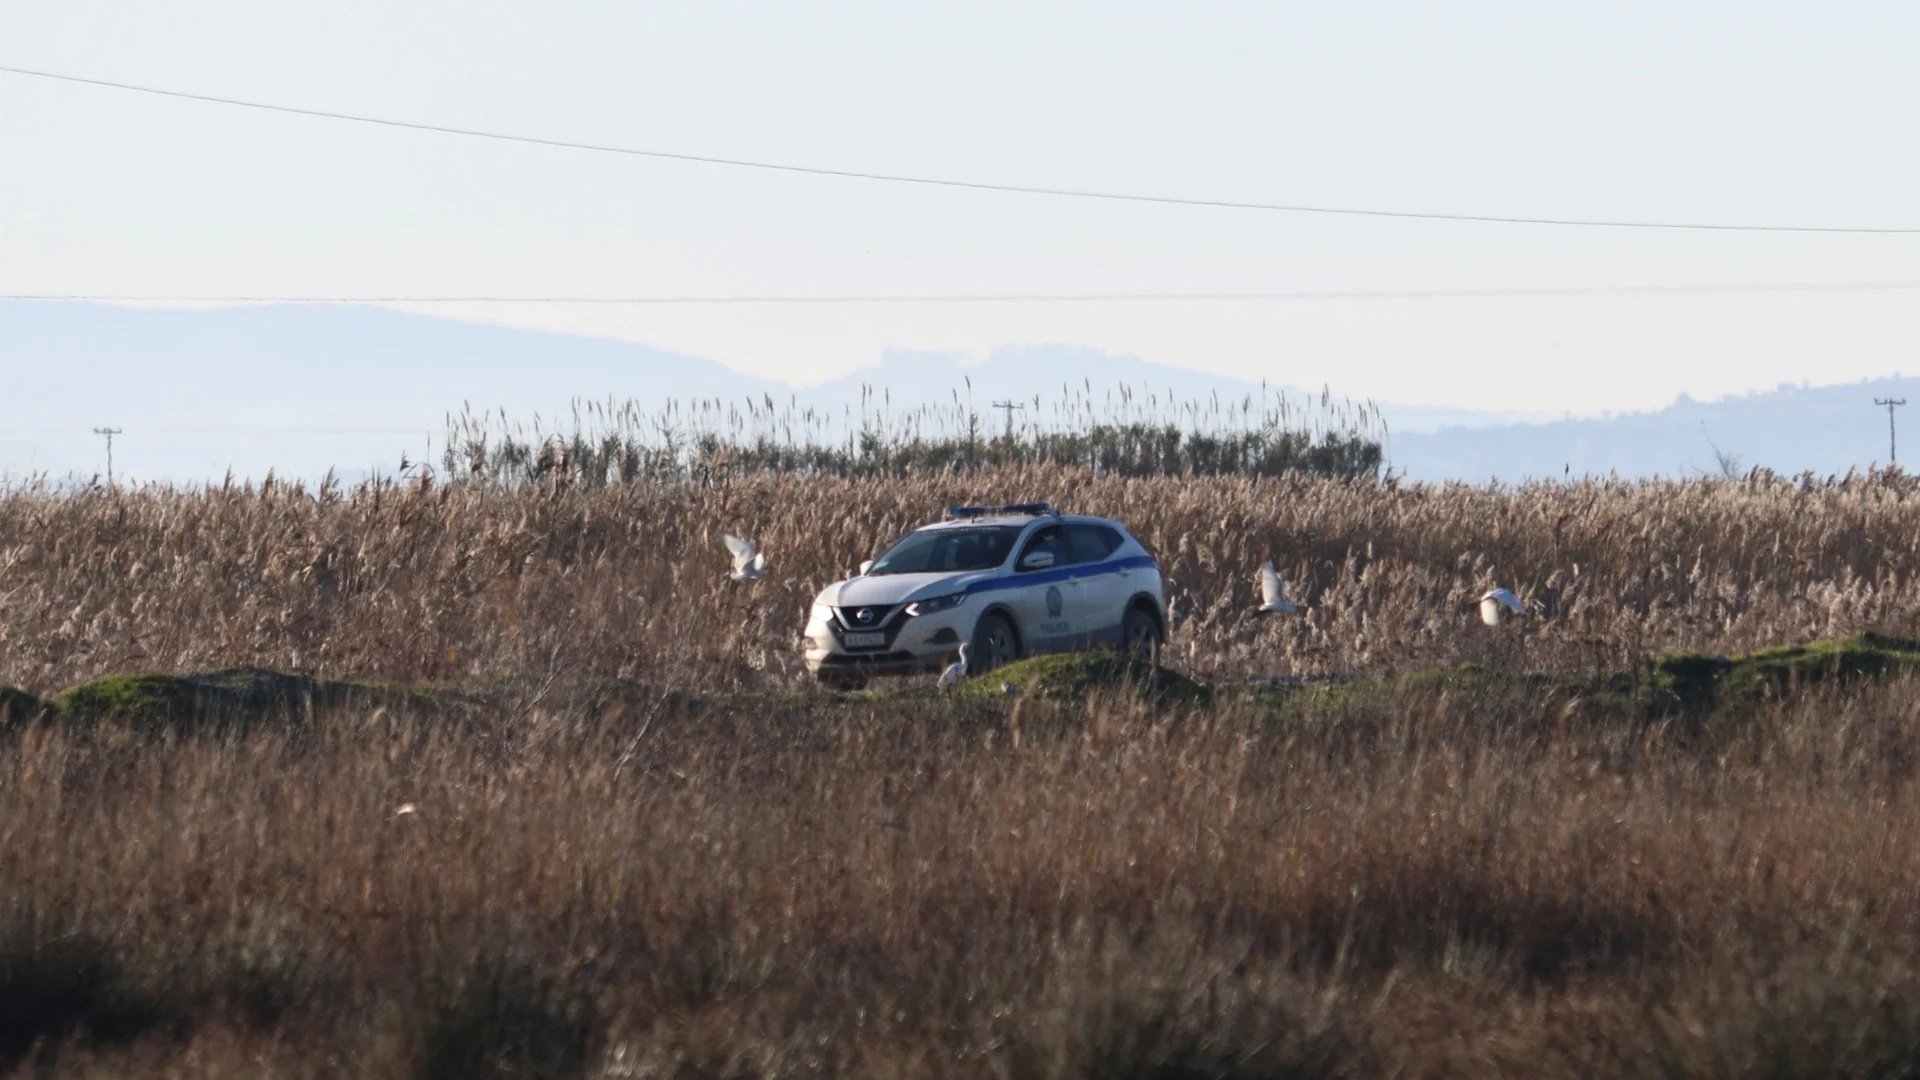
[886, 590]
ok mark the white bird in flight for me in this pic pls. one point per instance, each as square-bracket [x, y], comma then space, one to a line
[748, 563]
[955, 671]
[1273, 593]
[1495, 605]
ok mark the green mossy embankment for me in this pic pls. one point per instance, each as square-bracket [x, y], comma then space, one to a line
[1690, 680]
[1674, 685]
[225, 699]
[1677, 684]
[1070, 676]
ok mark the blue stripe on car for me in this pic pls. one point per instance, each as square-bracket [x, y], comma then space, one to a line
[1064, 573]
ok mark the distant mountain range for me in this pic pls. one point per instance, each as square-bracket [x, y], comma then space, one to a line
[1825, 430]
[306, 389]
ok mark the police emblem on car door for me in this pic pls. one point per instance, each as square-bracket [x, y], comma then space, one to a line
[1057, 625]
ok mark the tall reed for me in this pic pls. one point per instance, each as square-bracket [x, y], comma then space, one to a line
[424, 581]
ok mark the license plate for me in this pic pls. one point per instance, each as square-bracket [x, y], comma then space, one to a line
[865, 641]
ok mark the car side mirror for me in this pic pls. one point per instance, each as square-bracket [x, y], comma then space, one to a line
[1037, 560]
[866, 566]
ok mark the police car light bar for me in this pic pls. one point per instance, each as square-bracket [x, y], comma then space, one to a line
[1038, 509]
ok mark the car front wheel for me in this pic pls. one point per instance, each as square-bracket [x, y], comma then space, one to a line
[1141, 632]
[994, 644]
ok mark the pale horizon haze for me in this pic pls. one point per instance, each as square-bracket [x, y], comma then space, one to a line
[1770, 113]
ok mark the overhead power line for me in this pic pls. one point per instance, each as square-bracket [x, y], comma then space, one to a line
[972, 185]
[226, 430]
[1000, 298]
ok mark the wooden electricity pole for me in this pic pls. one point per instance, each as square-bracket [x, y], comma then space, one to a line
[1009, 406]
[1893, 446]
[109, 432]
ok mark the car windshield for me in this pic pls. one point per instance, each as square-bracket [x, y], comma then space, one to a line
[935, 551]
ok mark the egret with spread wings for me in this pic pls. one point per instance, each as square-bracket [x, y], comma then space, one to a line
[1497, 603]
[749, 564]
[1273, 593]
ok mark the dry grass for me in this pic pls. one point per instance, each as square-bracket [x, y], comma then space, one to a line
[463, 584]
[1436, 882]
[900, 890]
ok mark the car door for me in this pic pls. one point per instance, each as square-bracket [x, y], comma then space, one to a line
[1045, 600]
[1102, 589]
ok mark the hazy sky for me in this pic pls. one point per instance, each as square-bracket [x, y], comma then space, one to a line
[1712, 111]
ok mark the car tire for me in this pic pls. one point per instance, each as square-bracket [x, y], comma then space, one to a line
[994, 643]
[1140, 637]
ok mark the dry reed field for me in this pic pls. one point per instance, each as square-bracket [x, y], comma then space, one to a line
[631, 840]
[456, 584]
[1423, 886]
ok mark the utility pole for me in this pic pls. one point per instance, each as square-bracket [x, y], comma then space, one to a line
[1893, 447]
[1009, 406]
[109, 432]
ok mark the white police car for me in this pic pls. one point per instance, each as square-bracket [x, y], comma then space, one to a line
[1009, 581]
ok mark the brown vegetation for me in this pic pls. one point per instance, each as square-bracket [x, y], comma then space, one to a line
[1434, 885]
[563, 876]
[469, 583]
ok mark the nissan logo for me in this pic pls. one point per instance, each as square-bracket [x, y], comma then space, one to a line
[864, 615]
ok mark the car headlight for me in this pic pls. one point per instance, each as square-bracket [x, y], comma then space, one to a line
[822, 613]
[936, 604]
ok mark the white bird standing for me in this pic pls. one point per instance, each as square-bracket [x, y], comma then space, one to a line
[1497, 603]
[748, 563]
[1273, 593]
[955, 671]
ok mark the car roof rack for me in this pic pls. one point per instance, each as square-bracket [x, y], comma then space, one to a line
[1037, 509]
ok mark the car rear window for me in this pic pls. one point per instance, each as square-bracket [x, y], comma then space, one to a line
[934, 551]
[1093, 543]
